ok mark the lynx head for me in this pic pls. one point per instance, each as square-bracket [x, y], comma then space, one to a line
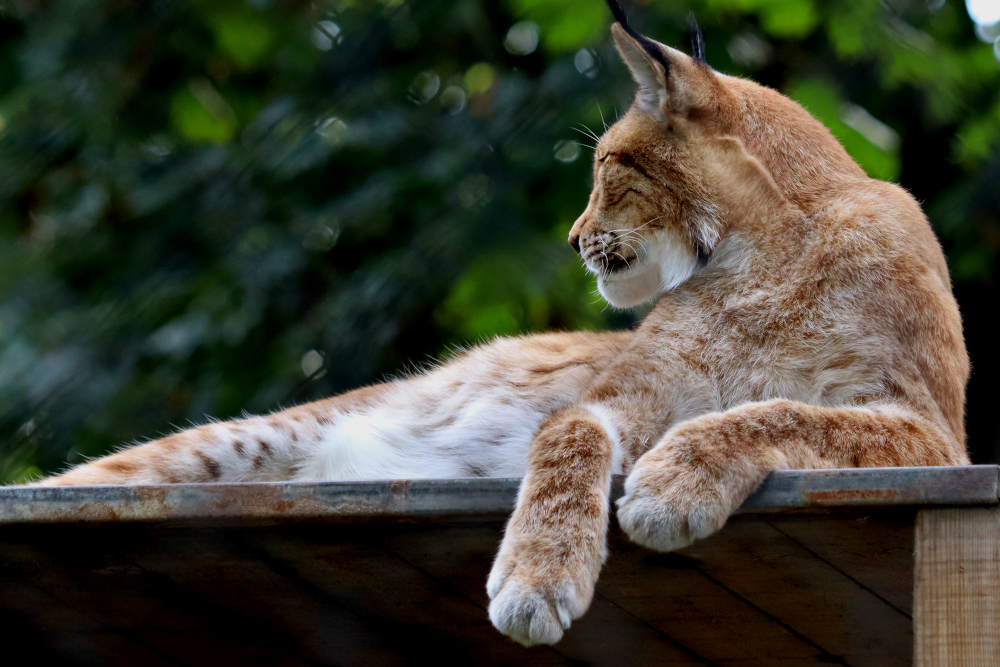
[667, 175]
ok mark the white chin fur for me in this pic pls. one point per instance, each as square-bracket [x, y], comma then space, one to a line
[668, 263]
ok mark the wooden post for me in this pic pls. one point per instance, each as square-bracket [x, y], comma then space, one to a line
[956, 598]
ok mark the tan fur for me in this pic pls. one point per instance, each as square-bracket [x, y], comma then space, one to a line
[817, 329]
[822, 332]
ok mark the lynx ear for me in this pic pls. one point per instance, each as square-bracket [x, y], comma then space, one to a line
[648, 64]
[669, 81]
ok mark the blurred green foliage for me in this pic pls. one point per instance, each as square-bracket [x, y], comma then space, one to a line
[212, 207]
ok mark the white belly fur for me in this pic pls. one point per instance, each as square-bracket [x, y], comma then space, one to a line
[416, 434]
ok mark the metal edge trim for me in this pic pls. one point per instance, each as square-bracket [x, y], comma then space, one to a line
[786, 490]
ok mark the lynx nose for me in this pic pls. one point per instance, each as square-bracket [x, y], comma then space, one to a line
[576, 231]
[574, 241]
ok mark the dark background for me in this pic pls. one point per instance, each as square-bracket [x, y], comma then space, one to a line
[212, 207]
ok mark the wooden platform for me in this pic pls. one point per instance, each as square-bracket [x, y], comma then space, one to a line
[818, 568]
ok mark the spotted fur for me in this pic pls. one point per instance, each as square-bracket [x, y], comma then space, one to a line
[804, 319]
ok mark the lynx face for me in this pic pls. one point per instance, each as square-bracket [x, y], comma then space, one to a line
[652, 217]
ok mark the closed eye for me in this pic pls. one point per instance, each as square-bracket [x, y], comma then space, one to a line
[630, 162]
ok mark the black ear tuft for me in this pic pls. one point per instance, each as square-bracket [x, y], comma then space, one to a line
[648, 45]
[697, 39]
[619, 14]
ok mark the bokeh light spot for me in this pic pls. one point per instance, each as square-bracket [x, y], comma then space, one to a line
[522, 38]
[321, 238]
[749, 50]
[585, 63]
[479, 78]
[311, 363]
[453, 99]
[424, 86]
[566, 151]
[983, 12]
[332, 129]
[325, 35]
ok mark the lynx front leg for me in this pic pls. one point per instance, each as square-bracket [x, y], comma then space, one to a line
[704, 468]
[554, 545]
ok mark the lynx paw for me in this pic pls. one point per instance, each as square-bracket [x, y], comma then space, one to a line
[534, 605]
[668, 506]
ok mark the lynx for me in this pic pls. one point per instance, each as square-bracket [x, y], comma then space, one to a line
[803, 319]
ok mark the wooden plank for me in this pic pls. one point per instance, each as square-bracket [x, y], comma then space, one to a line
[425, 618]
[36, 628]
[798, 588]
[332, 593]
[957, 587]
[669, 592]
[101, 576]
[760, 565]
[459, 559]
[691, 609]
[873, 550]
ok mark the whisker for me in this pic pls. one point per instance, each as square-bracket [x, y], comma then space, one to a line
[587, 131]
[633, 230]
[623, 239]
[631, 236]
[627, 243]
[637, 252]
[595, 139]
[622, 258]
